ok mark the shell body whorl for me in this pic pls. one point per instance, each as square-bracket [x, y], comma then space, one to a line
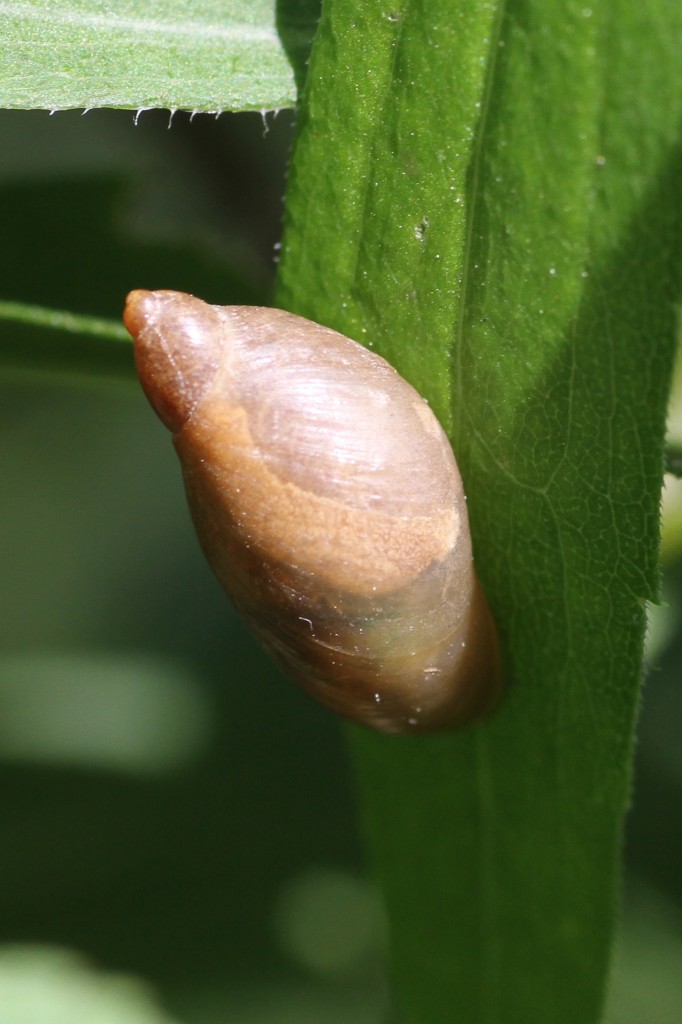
[328, 503]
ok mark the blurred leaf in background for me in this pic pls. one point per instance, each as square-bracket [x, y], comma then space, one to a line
[190, 826]
[43, 985]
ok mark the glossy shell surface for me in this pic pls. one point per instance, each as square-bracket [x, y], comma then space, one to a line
[328, 502]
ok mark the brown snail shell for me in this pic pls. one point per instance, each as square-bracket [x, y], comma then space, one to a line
[329, 505]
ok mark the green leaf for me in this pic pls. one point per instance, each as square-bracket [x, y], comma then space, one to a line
[214, 56]
[489, 195]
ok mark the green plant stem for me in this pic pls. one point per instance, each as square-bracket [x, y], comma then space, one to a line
[61, 320]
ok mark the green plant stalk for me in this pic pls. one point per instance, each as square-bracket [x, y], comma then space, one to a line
[62, 320]
[486, 194]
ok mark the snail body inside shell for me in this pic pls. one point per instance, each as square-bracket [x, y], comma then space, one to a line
[328, 502]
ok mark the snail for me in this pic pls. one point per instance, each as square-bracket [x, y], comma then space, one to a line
[329, 505]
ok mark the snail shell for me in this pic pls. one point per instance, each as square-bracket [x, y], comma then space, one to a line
[328, 502]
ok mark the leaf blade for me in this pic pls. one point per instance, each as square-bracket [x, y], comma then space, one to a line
[213, 58]
[498, 848]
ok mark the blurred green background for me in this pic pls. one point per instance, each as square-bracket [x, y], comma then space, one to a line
[172, 809]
